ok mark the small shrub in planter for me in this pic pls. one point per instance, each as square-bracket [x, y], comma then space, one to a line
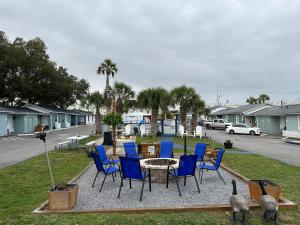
[63, 197]
[228, 144]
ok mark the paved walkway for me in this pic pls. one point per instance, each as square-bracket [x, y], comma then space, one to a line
[270, 146]
[18, 148]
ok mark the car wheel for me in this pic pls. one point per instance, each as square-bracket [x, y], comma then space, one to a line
[252, 132]
[231, 132]
[207, 126]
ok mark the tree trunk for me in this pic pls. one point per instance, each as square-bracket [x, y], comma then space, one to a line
[107, 82]
[98, 121]
[194, 121]
[183, 115]
[114, 138]
[154, 122]
[113, 105]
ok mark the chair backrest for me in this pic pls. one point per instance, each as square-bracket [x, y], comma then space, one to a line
[200, 151]
[166, 149]
[131, 168]
[130, 150]
[198, 129]
[219, 158]
[187, 165]
[127, 129]
[181, 129]
[102, 153]
[97, 162]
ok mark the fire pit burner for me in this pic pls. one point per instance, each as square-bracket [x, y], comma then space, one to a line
[159, 167]
[161, 162]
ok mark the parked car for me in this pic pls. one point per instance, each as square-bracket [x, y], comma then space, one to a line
[242, 128]
[201, 122]
[217, 124]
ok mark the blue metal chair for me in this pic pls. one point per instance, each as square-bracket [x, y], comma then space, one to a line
[200, 151]
[214, 167]
[131, 170]
[166, 149]
[130, 150]
[187, 166]
[109, 170]
[103, 157]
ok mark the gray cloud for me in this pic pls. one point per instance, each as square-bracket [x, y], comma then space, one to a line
[241, 47]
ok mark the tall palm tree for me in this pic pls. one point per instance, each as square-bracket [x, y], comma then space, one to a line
[123, 96]
[263, 98]
[96, 100]
[252, 100]
[107, 68]
[197, 108]
[154, 99]
[183, 96]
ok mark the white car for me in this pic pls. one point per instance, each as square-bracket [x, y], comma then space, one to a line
[242, 128]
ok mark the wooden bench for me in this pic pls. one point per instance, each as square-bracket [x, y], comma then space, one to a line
[61, 144]
[91, 144]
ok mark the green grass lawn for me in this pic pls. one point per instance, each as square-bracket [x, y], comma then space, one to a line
[88, 139]
[24, 186]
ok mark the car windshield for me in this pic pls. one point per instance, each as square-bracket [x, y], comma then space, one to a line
[225, 121]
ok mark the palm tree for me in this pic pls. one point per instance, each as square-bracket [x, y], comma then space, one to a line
[197, 108]
[154, 99]
[251, 100]
[123, 96]
[96, 100]
[113, 119]
[183, 96]
[107, 68]
[263, 98]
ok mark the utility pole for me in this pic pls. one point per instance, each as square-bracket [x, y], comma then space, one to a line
[218, 97]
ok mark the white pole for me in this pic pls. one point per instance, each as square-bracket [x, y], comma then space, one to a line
[49, 165]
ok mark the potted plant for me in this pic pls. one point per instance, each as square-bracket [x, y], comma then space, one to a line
[113, 119]
[63, 196]
[228, 144]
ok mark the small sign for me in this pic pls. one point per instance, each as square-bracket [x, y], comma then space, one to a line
[151, 150]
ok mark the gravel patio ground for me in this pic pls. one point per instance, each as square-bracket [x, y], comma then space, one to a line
[213, 192]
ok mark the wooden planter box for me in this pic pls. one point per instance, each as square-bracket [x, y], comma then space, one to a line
[271, 189]
[150, 150]
[63, 200]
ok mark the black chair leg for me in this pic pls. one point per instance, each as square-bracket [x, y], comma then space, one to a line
[167, 179]
[121, 184]
[201, 176]
[176, 179]
[113, 177]
[197, 183]
[103, 183]
[184, 180]
[141, 196]
[95, 179]
[130, 186]
[150, 180]
[221, 177]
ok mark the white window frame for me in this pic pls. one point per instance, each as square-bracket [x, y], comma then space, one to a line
[237, 118]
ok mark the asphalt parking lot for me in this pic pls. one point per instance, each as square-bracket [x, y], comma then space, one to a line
[18, 148]
[266, 145]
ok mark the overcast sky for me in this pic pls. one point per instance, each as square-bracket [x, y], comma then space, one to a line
[243, 48]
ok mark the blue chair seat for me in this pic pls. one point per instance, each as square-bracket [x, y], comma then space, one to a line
[111, 161]
[207, 166]
[111, 170]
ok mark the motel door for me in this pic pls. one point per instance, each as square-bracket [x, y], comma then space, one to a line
[169, 127]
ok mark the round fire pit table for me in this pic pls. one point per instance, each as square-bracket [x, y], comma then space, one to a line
[159, 168]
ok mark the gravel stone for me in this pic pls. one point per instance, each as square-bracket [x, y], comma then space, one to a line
[213, 192]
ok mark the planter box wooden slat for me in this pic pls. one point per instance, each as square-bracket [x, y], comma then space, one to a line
[271, 189]
[63, 200]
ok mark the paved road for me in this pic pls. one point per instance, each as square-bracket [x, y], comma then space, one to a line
[270, 146]
[18, 148]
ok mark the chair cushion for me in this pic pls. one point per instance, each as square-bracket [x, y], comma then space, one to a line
[206, 166]
[111, 170]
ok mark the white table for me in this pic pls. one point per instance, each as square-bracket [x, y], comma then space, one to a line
[76, 139]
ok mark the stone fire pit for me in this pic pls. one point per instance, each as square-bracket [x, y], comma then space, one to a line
[159, 167]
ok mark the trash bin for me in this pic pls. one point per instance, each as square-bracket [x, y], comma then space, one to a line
[107, 138]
